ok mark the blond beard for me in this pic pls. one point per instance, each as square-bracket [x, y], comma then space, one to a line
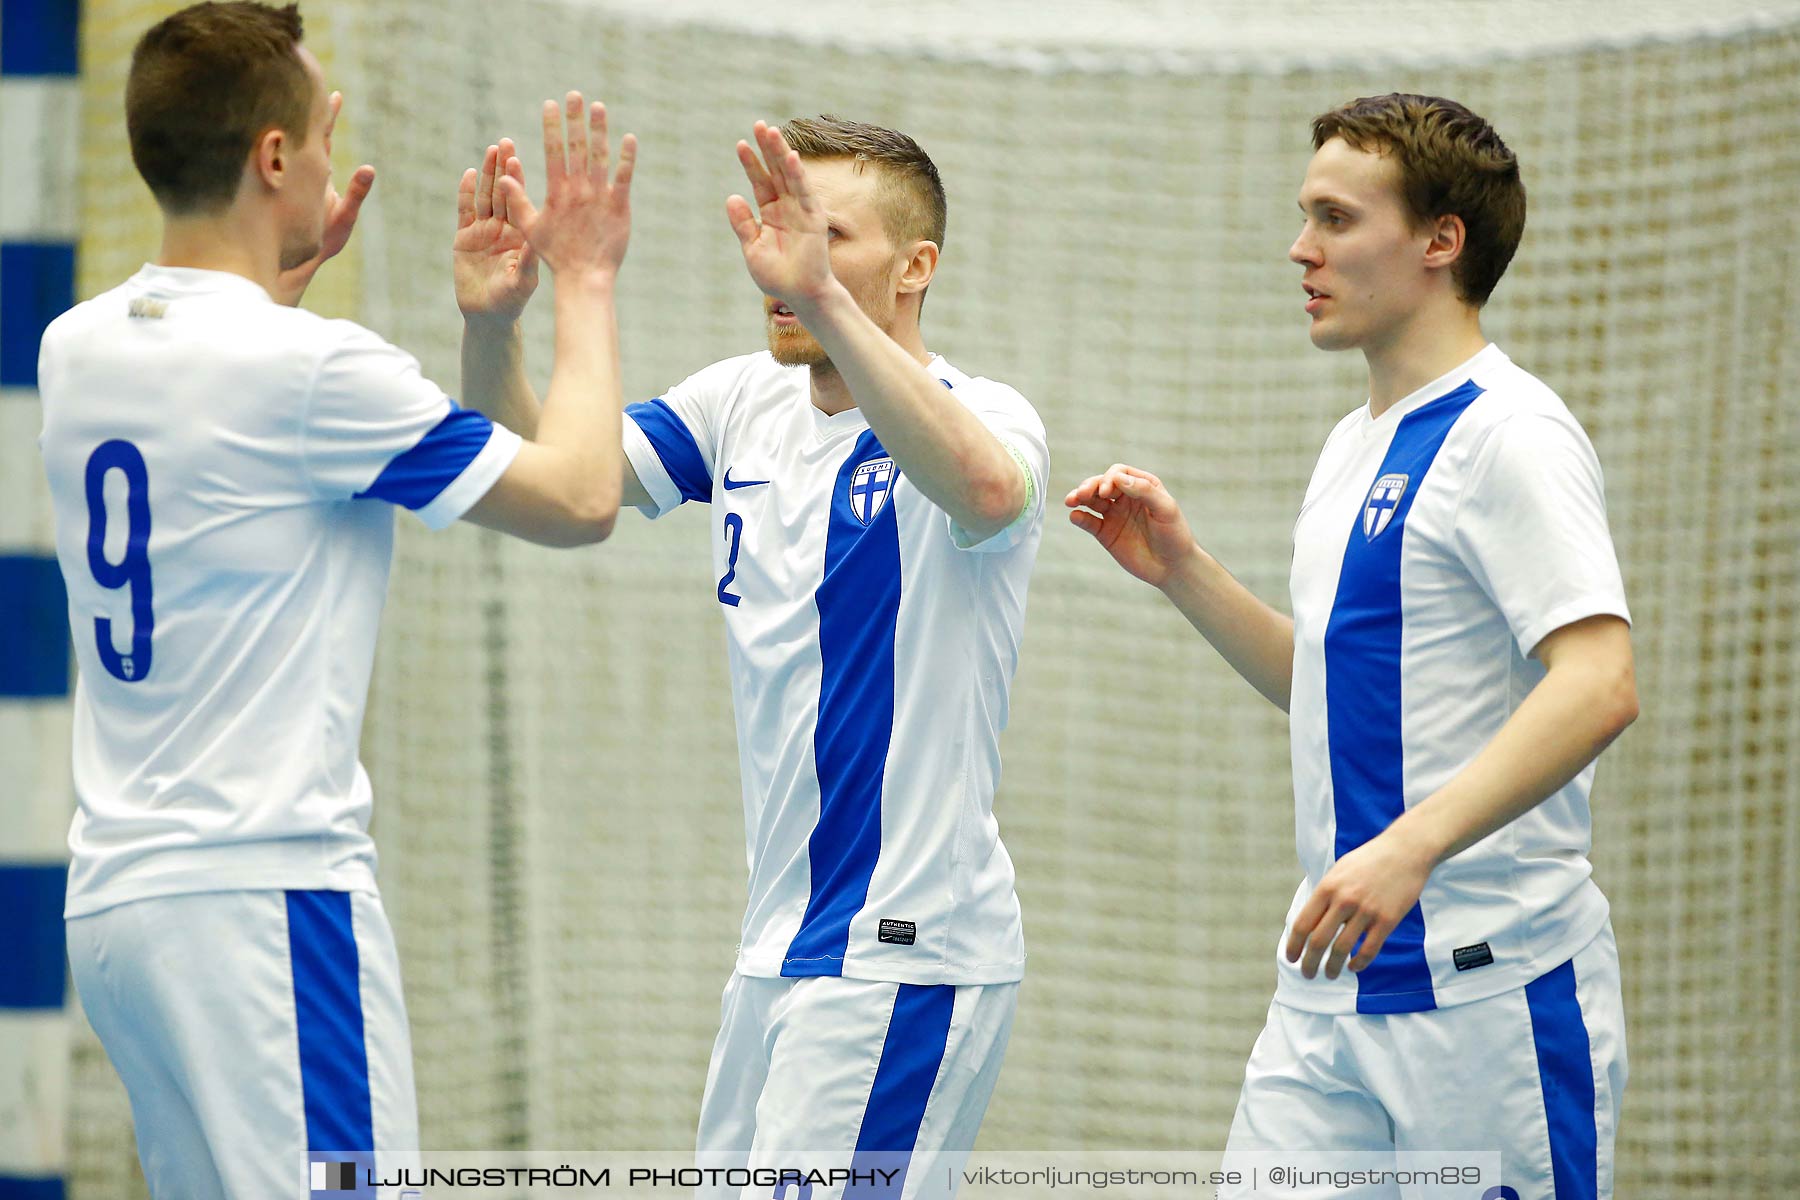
[793, 346]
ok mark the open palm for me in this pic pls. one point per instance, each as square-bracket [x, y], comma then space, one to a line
[585, 224]
[494, 267]
[785, 239]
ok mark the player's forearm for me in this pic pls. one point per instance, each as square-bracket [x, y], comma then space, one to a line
[1573, 714]
[1256, 640]
[942, 447]
[493, 376]
[581, 411]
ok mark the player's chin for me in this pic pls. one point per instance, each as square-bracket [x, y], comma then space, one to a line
[1327, 336]
[298, 254]
[794, 347]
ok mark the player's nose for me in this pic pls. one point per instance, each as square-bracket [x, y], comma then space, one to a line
[1304, 251]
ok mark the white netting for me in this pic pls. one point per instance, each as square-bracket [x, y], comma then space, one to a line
[550, 736]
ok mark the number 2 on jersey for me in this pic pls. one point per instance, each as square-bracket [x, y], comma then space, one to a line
[734, 537]
[133, 570]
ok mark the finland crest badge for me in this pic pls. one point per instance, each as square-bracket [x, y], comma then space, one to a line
[1384, 499]
[870, 485]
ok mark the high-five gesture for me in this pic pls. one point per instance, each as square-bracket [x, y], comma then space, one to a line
[586, 219]
[786, 240]
[495, 268]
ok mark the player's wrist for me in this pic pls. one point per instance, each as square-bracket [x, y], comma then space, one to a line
[1420, 835]
[595, 280]
[822, 302]
[496, 324]
[1186, 573]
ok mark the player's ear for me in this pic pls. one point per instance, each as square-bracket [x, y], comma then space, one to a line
[268, 157]
[921, 265]
[1448, 234]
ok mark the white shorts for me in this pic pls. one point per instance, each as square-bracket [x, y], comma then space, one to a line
[257, 1033]
[1536, 1074]
[886, 1078]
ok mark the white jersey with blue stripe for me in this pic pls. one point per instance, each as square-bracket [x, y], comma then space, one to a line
[1436, 547]
[871, 650]
[222, 471]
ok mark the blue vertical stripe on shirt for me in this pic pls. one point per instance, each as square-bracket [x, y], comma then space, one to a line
[1363, 643]
[859, 607]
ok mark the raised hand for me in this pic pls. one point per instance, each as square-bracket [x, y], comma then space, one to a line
[786, 240]
[340, 221]
[495, 268]
[1135, 520]
[585, 223]
[341, 212]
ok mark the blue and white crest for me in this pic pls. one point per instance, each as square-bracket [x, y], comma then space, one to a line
[1384, 499]
[870, 486]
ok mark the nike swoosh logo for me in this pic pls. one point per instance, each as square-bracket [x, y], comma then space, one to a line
[732, 485]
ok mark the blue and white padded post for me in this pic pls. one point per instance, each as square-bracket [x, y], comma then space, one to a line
[39, 171]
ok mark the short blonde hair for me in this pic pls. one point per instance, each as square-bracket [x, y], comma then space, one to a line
[911, 196]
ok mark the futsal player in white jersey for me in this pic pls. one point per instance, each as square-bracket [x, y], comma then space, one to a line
[876, 513]
[224, 469]
[1458, 656]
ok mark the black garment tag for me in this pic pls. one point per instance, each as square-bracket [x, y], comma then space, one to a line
[1467, 958]
[901, 933]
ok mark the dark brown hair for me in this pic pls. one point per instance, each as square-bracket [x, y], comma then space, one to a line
[205, 84]
[911, 196]
[1451, 162]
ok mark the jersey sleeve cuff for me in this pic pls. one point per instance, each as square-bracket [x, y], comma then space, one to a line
[1567, 613]
[483, 471]
[652, 475]
[1007, 538]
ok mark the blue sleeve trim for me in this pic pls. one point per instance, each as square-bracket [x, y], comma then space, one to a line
[34, 627]
[17, 1187]
[414, 478]
[676, 447]
[37, 284]
[39, 37]
[31, 899]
